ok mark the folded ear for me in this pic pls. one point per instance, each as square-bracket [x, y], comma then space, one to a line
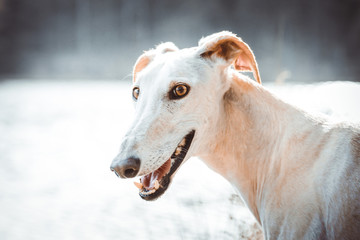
[148, 56]
[140, 64]
[166, 47]
[232, 49]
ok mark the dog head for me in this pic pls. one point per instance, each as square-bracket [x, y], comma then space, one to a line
[177, 96]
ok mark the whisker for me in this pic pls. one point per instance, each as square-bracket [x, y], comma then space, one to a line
[127, 77]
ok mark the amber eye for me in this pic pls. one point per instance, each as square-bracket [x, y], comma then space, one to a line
[136, 92]
[179, 91]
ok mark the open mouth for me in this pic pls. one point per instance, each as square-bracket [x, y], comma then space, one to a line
[154, 184]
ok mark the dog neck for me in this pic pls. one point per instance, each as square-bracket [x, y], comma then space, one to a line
[254, 141]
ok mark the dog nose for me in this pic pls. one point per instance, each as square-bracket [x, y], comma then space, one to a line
[127, 168]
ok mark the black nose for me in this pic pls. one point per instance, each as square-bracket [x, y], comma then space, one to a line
[127, 168]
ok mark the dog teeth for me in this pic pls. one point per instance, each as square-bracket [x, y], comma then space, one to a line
[156, 184]
[177, 151]
[182, 143]
[138, 185]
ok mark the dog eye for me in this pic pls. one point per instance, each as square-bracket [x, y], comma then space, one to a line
[136, 92]
[179, 91]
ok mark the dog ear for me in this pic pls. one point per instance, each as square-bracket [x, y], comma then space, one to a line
[140, 64]
[232, 49]
[148, 56]
[166, 47]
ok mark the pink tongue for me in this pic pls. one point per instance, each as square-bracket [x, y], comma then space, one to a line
[148, 181]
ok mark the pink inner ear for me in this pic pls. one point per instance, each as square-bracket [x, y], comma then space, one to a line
[242, 64]
[141, 63]
[246, 62]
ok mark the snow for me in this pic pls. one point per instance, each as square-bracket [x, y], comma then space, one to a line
[57, 142]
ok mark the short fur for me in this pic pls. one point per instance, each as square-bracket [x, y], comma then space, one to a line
[298, 174]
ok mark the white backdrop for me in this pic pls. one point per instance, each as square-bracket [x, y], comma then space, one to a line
[57, 140]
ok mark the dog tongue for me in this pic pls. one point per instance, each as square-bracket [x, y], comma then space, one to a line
[148, 181]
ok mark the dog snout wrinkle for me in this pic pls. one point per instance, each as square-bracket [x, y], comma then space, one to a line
[127, 168]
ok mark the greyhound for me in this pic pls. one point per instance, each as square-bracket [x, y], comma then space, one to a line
[298, 174]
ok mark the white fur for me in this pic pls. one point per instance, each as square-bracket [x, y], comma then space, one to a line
[298, 174]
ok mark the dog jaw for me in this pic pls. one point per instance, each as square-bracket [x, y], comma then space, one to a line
[154, 184]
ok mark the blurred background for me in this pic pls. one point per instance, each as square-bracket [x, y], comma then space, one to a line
[65, 103]
[300, 40]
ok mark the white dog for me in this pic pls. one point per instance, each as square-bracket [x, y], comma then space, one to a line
[298, 174]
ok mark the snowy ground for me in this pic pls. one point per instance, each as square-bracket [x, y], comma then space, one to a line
[57, 140]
